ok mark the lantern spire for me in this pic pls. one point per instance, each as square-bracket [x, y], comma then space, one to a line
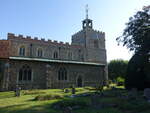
[87, 11]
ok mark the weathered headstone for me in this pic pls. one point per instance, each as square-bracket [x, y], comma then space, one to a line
[147, 93]
[17, 91]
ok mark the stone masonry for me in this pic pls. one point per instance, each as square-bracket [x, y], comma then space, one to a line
[36, 64]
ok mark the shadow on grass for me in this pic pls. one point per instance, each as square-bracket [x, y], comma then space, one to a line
[46, 108]
[82, 104]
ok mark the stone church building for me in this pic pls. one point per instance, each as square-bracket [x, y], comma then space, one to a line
[39, 64]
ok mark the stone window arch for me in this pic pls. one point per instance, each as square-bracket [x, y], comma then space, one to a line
[22, 51]
[95, 43]
[70, 55]
[55, 55]
[80, 55]
[40, 52]
[62, 74]
[25, 73]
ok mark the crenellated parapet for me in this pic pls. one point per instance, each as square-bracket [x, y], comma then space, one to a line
[12, 36]
[97, 31]
[92, 30]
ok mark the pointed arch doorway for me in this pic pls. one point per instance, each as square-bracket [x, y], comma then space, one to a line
[79, 81]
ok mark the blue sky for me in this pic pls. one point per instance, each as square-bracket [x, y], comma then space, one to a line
[59, 19]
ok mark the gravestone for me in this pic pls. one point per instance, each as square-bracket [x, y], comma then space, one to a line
[17, 91]
[147, 93]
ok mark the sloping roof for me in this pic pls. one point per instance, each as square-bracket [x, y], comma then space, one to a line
[55, 61]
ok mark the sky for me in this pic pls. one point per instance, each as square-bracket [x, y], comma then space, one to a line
[60, 19]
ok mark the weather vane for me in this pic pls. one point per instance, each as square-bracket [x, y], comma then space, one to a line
[87, 10]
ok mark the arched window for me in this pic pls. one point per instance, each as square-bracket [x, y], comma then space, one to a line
[95, 44]
[55, 56]
[62, 74]
[80, 55]
[22, 51]
[70, 55]
[40, 53]
[25, 73]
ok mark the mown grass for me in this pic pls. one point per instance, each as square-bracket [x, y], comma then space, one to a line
[26, 103]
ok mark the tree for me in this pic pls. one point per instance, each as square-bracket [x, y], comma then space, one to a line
[136, 76]
[136, 37]
[117, 68]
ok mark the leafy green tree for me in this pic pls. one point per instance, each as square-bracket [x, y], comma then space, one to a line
[136, 37]
[136, 76]
[117, 68]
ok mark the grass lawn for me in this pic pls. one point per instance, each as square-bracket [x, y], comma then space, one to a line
[27, 103]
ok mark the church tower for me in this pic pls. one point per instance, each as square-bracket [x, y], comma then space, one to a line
[91, 40]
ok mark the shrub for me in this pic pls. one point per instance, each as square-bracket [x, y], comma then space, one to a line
[117, 68]
[120, 81]
[48, 97]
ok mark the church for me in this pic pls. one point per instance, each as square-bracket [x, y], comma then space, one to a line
[33, 63]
